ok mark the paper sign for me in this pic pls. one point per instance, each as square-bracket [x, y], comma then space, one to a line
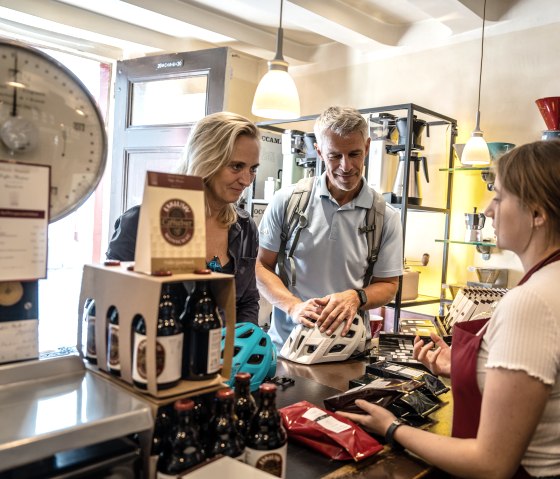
[24, 218]
[172, 225]
[19, 323]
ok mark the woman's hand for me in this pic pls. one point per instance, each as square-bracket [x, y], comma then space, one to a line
[436, 355]
[377, 419]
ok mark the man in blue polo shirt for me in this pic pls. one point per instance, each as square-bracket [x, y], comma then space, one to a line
[330, 257]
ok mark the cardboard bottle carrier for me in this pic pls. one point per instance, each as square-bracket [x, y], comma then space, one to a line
[134, 293]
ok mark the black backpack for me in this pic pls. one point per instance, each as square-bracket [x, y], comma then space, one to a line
[296, 219]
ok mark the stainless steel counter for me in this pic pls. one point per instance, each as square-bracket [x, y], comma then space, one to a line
[52, 405]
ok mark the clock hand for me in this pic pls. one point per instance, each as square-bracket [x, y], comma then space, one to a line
[14, 96]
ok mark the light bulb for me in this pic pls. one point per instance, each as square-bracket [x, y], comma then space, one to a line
[276, 96]
[476, 151]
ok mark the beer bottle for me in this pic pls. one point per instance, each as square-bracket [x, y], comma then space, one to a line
[223, 437]
[202, 324]
[90, 351]
[162, 427]
[266, 444]
[113, 359]
[169, 345]
[245, 405]
[202, 415]
[182, 450]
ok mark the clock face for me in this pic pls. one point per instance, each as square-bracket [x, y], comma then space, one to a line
[48, 117]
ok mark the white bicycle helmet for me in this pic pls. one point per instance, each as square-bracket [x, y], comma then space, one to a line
[310, 346]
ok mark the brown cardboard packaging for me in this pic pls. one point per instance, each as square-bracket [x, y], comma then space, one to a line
[135, 293]
[172, 224]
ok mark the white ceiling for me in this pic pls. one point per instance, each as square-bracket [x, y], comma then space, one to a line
[372, 28]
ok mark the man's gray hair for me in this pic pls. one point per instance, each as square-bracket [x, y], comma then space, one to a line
[342, 121]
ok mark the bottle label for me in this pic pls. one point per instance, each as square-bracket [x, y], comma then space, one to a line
[139, 373]
[272, 461]
[113, 360]
[91, 351]
[169, 351]
[169, 354]
[161, 475]
[214, 350]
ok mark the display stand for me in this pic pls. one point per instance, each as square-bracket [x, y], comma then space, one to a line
[433, 119]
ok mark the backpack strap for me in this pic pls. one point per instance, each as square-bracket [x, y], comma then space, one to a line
[373, 229]
[294, 219]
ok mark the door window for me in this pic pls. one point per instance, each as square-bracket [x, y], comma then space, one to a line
[169, 102]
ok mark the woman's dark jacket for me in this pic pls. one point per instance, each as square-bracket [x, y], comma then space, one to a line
[243, 243]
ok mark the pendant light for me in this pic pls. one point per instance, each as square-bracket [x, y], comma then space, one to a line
[277, 96]
[476, 150]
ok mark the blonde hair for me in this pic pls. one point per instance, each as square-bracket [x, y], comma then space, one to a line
[340, 120]
[210, 148]
[532, 173]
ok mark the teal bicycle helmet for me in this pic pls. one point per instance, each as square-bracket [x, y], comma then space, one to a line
[253, 352]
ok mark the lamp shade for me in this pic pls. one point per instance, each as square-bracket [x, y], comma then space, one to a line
[476, 151]
[276, 96]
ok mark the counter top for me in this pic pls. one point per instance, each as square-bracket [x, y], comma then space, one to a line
[52, 405]
[316, 382]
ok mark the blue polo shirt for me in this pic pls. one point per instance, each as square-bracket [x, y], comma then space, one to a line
[331, 254]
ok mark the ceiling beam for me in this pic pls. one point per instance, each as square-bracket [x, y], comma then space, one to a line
[242, 32]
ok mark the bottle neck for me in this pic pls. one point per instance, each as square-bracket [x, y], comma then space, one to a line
[268, 401]
[224, 407]
[242, 389]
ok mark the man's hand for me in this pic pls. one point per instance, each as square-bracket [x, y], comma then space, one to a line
[306, 312]
[336, 309]
[436, 355]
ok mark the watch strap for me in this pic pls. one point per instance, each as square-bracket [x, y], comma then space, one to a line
[390, 434]
[361, 296]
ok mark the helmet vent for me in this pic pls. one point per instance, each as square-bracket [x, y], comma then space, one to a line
[311, 348]
[236, 350]
[337, 348]
[350, 334]
[356, 319]
[246, 334]
[301, 338]
[255, 359]
[262, 342]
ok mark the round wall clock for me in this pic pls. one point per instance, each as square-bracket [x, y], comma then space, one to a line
[48, 117]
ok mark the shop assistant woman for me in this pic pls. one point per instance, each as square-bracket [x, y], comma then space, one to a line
[223, 149]
[505, 371]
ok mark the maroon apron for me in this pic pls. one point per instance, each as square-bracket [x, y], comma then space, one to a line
[467, 400]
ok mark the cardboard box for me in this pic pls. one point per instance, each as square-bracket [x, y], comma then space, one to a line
[172, 224]
[135, 293]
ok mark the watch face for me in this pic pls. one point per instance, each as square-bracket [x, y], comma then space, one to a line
[48, 117]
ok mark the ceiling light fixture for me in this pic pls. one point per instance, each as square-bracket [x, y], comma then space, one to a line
[277, 96]
[476, 150]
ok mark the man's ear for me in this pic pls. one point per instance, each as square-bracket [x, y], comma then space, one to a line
[319, 152]
[368, 142]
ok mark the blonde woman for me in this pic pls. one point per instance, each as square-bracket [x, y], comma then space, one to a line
[223, 149]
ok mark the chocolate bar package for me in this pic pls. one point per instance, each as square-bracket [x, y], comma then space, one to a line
[381, 391]
[386, 369]
[362, 380]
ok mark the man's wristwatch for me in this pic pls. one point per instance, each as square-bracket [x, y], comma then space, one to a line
[389, 435]
[362, 296]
